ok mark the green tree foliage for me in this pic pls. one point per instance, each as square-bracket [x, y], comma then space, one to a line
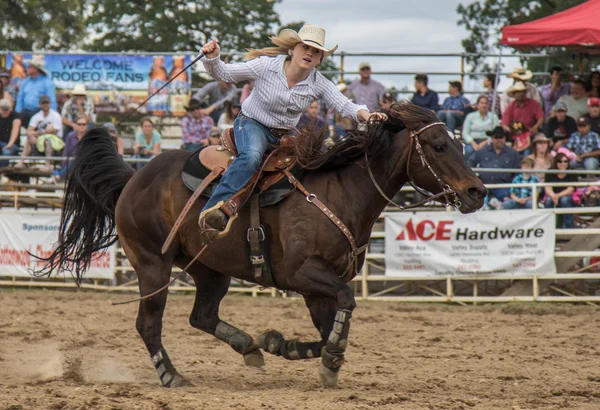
[484, 19]
[40, 24]
[179, 25]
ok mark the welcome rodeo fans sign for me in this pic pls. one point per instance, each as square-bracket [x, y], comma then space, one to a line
[24, 233]
[433, 244]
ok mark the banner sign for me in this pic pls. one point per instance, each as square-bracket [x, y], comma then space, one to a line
[499, 243]
[22, 233]
[115, 81]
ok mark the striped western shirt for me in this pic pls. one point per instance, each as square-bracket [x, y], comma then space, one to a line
[272, 102]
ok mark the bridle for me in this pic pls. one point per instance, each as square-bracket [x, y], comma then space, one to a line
[450, 196]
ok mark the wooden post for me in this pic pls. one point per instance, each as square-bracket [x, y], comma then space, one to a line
[365, 280]
[462, 70]
[342, 67]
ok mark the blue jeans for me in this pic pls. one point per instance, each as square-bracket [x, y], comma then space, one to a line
[451, 119]
[499, 193]
[512, 204]
[14, 150]
[469, 150]
[590, 164]
[192, 146]
[566, 220]
[140, 165]
[252, 140]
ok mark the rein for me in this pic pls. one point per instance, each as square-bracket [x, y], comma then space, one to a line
[447, 192]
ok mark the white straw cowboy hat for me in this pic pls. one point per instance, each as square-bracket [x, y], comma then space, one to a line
[79, 89]
[310, 35]
[37, 61]
[516, 87]
[519, 73]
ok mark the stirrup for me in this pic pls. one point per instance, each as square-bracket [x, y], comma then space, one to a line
[208, 232]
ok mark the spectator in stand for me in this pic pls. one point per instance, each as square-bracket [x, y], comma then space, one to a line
[594, 114]
[218, 92]
[77, 106]
[489, 82]
[424, 97]
[33, 87]
[118, 141]
[542, 159]
[521, 138]
[476, 125]
[367, 91]
[246, 90]
[560, 127]
[554, 90]
[520, 75]
[576, 101]
[147, 142]
[7, 88]
[44, 133]
[71, 141]
[10, 126]
[593, 86]
[496, 155]
[214, 136]
[195, 126]
[311, 121]
[560, 197]
[522, 197]
[452, 111]
[386, 101]
[232, 109]
[524, 110]
[585, 144]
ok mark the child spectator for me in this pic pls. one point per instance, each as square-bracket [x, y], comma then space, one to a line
[585, 144]
[147, 142]
[522, 197]
[594, 113]
[560, 197]
[452, 111]
[521, 138]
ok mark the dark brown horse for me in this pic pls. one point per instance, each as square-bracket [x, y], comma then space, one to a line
[309, 254]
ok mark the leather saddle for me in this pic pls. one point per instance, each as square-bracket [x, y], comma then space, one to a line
[271, 184]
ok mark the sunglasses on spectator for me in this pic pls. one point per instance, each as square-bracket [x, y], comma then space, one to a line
[365, 69]
[563, 161]
[82, 123]
[498, 137]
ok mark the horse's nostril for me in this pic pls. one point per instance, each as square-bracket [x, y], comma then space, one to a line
[476, 192]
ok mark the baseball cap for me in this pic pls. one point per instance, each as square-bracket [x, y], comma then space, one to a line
[5, 104]
[109, 126]
[583, 121]
[560, 106]
[44, 99]
[364, 64]
[594, 101]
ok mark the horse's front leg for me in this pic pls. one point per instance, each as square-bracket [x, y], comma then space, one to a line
[331, 302]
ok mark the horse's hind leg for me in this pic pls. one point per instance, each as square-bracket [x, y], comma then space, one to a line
[152, 275]
[211, 287]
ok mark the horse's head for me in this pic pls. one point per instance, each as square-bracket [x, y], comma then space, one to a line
[436, 162]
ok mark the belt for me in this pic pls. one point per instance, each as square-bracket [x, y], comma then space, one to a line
[276, 132]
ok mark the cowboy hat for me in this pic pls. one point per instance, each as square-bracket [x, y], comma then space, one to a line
[310, 35]
[37, 61]
[539, 137]
[516, 87]
[79, 89]
[193, 104]
[519, 73]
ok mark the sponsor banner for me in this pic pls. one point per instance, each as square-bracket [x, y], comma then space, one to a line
[116, 82]
[22, 233]
[499, 243]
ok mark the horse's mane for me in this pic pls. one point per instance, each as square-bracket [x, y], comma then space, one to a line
[376, 140]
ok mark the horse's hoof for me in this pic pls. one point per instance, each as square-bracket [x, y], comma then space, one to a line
[179, 381]
[328, 377]
[270, 341]
[254, 358]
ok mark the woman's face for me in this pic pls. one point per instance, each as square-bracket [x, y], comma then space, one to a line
[147, 128]
[483, 106]
[562, 163]
[306, 57]
[541, 147]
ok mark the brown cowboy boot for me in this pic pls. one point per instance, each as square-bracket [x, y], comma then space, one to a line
[213, 223]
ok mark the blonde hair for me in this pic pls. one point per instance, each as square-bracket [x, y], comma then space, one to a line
[283, 47]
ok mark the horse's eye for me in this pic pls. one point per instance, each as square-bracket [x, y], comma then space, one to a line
[438, 148]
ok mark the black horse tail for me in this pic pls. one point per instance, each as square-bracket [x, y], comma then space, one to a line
[95, 180]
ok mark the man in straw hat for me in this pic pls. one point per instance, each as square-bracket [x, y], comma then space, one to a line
[286, 83]
[519, 74]
[522, 109]
[77, 106]
[33, 87]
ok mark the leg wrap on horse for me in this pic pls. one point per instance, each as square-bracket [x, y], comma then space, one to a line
[239, 341]
[274, 343]
[166, 371]
[333, 352]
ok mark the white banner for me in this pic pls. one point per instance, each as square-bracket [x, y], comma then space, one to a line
[36, 233]
[499, 243]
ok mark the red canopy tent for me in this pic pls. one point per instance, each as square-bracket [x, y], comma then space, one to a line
[577, 27]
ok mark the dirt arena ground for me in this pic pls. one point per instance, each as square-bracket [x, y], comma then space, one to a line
[72, 350]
